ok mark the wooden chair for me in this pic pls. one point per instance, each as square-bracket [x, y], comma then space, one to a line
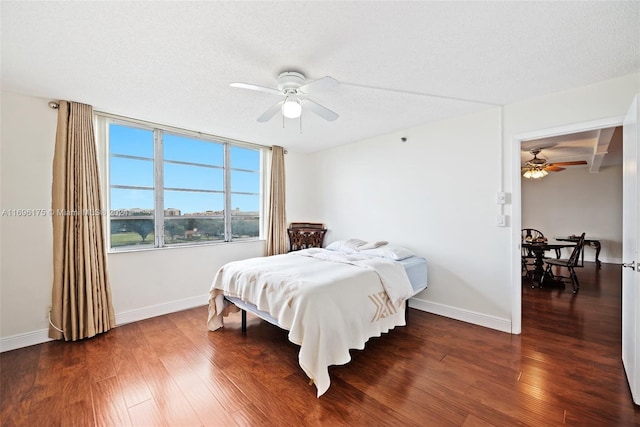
[528, 234]
[303, 235]
[569, 264]
[531, 234]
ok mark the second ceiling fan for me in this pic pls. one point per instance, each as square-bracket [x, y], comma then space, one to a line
[542, 164]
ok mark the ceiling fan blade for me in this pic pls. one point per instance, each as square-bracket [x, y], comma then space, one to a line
[553, 168]
[324, 83]
[256, 87]
[323, 112]
[577, 162]
[272, 111]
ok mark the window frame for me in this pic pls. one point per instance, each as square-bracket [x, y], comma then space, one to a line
[102, 125]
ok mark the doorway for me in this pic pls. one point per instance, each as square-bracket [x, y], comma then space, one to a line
[516, 222]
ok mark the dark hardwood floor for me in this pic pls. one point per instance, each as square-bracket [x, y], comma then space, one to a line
[565, 368]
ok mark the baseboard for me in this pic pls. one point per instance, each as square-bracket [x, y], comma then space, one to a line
[41, 336]
[160, 309]
[468, 316]
[24, 340]
[607, 260]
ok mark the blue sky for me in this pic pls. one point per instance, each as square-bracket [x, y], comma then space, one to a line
[139, 172]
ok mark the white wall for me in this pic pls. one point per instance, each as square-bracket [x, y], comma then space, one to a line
[144, 283]
[28, 132]
[436, 195]
[301, 188]
[573, 201]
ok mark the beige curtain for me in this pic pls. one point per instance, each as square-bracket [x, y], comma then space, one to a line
[81, 298]
[277, 241]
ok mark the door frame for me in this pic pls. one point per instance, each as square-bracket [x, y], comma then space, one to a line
[516, 201]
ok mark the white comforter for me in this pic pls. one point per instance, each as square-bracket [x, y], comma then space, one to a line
[329, 302]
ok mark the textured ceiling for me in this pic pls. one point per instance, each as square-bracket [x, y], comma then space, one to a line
[172, 62]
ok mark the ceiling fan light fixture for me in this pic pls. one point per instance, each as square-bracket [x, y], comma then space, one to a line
[535, 173]
[291, 107]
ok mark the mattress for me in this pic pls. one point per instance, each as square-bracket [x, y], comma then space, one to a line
[415, 267]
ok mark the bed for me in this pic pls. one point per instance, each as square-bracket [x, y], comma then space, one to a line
[330, 300]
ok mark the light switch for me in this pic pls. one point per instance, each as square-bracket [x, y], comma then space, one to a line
[502, 198]
[501, 221]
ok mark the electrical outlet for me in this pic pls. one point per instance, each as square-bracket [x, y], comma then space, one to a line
[47, 314]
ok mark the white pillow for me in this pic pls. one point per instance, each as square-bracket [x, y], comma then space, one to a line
[344, 246]
[335, 246]
[372, 245]
[393, 252]
[354, 243]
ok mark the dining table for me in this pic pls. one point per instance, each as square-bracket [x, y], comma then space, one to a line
[592, 243]
[538, 249]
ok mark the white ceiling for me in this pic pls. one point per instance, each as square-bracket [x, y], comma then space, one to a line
[172, 62]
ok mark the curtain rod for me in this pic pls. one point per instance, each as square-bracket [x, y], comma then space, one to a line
[55, 105]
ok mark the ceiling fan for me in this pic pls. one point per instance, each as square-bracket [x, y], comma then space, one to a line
[538, 168]
[293, 89]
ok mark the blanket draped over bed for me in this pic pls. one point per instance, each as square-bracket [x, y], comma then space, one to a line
[329, 302]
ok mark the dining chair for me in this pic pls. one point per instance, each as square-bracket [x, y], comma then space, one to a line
[528, 234]
[531, 234]
[569, 264]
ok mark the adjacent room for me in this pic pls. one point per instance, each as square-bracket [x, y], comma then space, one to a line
[150, 148]
[572, 184]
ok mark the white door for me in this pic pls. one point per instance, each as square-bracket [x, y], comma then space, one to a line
[630, 255]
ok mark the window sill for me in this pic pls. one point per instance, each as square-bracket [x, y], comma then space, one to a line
[129, 249]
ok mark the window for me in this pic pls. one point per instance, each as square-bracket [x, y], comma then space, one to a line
[169, 188]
